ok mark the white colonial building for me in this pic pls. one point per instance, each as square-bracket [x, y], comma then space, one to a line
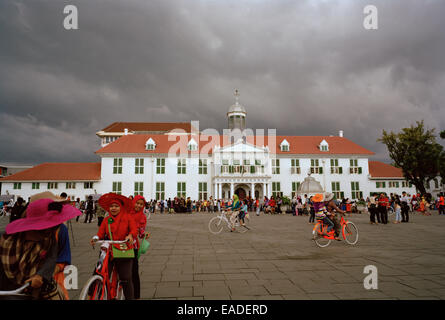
[167, 160]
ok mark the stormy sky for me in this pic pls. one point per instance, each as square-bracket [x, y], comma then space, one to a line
[302, 67]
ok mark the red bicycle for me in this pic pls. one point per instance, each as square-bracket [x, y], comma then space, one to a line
[322, 238]
[103, 285]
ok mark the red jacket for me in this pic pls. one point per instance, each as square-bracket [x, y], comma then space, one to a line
[122, 226]
[384, 201]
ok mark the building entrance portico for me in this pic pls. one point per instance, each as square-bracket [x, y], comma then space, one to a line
[225, 188]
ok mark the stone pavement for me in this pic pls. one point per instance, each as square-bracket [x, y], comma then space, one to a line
[277, 259]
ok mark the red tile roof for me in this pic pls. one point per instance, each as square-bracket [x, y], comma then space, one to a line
[148, 126]
[166, 144]
[58, 172]
[379, 169]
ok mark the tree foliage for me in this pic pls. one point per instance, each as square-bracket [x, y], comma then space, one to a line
[416, 152]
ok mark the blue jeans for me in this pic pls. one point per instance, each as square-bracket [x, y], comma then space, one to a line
[398, 215]
[329, 223]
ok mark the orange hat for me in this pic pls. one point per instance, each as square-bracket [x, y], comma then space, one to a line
[318, 197]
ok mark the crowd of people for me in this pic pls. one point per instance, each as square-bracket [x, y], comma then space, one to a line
[35, 247]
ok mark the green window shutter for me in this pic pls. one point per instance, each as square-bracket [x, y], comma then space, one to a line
[321, 170]
[360, 170]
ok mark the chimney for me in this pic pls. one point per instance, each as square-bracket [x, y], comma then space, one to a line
[125, 131]
[340, 133]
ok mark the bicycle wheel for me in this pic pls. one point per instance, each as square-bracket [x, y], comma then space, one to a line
[319, 240]
[94, 289]
[350, 233]
[216, 225]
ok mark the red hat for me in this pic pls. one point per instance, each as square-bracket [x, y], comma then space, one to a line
[107, 199]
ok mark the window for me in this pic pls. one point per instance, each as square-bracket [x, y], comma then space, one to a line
[202, 166]
[380, 184]
[354, 168]
[70, 185]
[139, 166]
[150, 145]
[52, 185]
[160, 166]
[181, 190]
[315, 167]
[88, 185]
[117, 187]
[393, 184]
[275, 166]
[17, 185]
[336, 190]
[117, 166]
[324, 146]
[192, 146]
[295, 187]
[335, 169]
[160, 190]
[355, 188]
[406, 184]
[295, 166]
[181, 166]
[35, 185]
[202, 191]
[139, 188]
[284, 146]
[276, 189]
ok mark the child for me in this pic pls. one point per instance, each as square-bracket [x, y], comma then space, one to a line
[321, 212]
[398, 210]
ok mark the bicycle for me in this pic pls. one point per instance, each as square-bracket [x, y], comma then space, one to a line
[322, 238]
[17, 294]
[216, 224]
[102, 285]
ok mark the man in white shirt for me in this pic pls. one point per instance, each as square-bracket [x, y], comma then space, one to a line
[404, 200]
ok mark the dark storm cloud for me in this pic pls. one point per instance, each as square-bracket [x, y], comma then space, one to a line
[303, 67]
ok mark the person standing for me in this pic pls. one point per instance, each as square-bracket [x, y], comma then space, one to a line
[17, 210]
[100, 214]
[383, 208]
[373, 211]
[441, 204]
[311, 210]
[404, 202]
[89, 209]
[140, 220]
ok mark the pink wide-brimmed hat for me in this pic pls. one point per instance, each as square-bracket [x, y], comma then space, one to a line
[41, 215]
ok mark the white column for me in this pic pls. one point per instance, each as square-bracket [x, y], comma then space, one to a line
[264, 190]
[232, 189]
[219, 190]
[215, 192]
[252, 190]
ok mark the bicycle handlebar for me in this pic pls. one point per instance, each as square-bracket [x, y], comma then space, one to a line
[112, 242]
[16, 291]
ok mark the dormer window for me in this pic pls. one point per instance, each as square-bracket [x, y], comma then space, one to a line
[150, 145]
[192, 145]
[324, 146]
[284, 146]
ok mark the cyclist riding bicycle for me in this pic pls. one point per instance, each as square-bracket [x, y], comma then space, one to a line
[119, 226]
[332, 209]
[235, 209]
[321, 213]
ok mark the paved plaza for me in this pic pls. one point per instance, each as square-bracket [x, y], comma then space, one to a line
[277, 259]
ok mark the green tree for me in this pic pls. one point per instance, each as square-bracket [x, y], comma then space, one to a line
[442, 134]
[416, 152]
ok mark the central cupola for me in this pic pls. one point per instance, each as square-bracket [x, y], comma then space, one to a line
[237, 115]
